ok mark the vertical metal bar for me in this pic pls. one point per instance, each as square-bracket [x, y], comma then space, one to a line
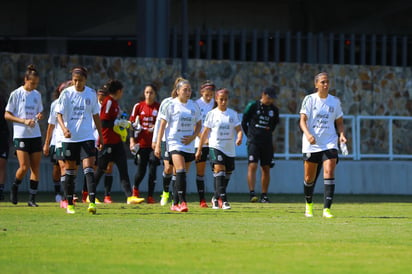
[341, 49]
[363, 50]
[331, 51]
[254, 45]
[288, 46]
[265, 45]
[383, 51]
[197, 43]
[390, 126]
[404, 51]
[220, 44]
[232, 45]
[358, 137]
[394, 51]
[298, 47]
[209, 44]
[243, 45]
[185, 38]
[321, 49]
[276, 47]
[373, 50]
[352, 49]
[309, 48]
[174, 42]
[286, 138]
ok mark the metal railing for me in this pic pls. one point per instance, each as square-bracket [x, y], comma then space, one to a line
[386, 133]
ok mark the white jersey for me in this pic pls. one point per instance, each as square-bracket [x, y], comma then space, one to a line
[321, 114]
[222, 130]
[181, 119]
[78, 109]
[162, 107]
[204, 109]
[53, 121]
[26, 105]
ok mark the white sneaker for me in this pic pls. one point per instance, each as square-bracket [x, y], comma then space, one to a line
[326, 213]
[215, 203]
[226, 205]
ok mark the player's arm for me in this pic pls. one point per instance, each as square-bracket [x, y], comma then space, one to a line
[239, 135]
[162, 126]
[304, 126]
[341, 130]
[47, 140]
[202, 140]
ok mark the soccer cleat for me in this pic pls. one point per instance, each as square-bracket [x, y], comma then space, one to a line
[13, 195]
[135, 192]
[92, 208]
[151, 200]
[253, 199]
[32, 204]
[107, 200]
[75, 198]
[309, 210]
[326, 213]
[96, 201]
[58, 198]
[183, 207]
[63, 204]
[70, 209]
[133, 200]
[203, 203]
[226, 205]
[175, 208]
[215, 203]
[264, 199]
[85, 197]
[165, 198]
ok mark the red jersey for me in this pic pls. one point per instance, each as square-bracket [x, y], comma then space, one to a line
[108, 113]
[147, 118]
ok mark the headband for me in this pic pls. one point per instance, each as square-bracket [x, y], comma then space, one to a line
[81, 71]
[222, 91]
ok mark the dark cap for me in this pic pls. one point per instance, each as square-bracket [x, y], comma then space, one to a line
[270, 91]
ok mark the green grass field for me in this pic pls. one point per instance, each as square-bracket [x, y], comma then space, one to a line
[370, 234]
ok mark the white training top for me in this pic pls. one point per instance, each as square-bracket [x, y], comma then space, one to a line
[53, 121]
[204, 109]
[321, 114]
[181, 119]
[78, 109]
[162, 107]
[26, 105]
[222, 130]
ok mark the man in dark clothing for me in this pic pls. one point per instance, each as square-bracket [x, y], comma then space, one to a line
[259, 121]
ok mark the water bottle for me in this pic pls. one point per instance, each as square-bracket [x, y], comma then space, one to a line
[344, 149]
[135, 149]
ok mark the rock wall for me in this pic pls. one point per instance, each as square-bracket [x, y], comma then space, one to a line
[363, 90]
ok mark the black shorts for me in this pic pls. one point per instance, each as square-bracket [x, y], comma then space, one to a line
[260, 152]
[30, 145]
[59, 154]
[319, 157]
[189, 157]
[164, 154]
[4, 147]
[205, 153]
[111, 153]
[218, 157]
[52, 154]
[79, 151]
[146, 156]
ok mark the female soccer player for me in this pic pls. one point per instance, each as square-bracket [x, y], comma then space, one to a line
[76, 109]
[318, 114]
[49, 147]
[113, 149]
[221, 123]
[206, 103]
[24, 109]
[143, 117]
[183, 119]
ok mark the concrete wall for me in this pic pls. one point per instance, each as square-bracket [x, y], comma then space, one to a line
[352, 177]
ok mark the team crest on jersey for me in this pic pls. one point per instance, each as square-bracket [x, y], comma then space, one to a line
[88, 101]
[154, 112]
[231, 120]
[271, 114]
[142, 113]
[258, 112]
[331, 109]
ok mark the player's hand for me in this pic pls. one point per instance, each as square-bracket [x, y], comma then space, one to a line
[157, 152]
[67, 133]
[187, 139]
[239, 141]
[39, 116]
[46, 150]
[311, 139]
[198, 155]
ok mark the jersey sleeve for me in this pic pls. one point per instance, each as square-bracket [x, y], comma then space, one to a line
[11, 104]
[108, 111]
[339, 112]
[208, 120]
[246, 116]
[135, 113]
[306, 105]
